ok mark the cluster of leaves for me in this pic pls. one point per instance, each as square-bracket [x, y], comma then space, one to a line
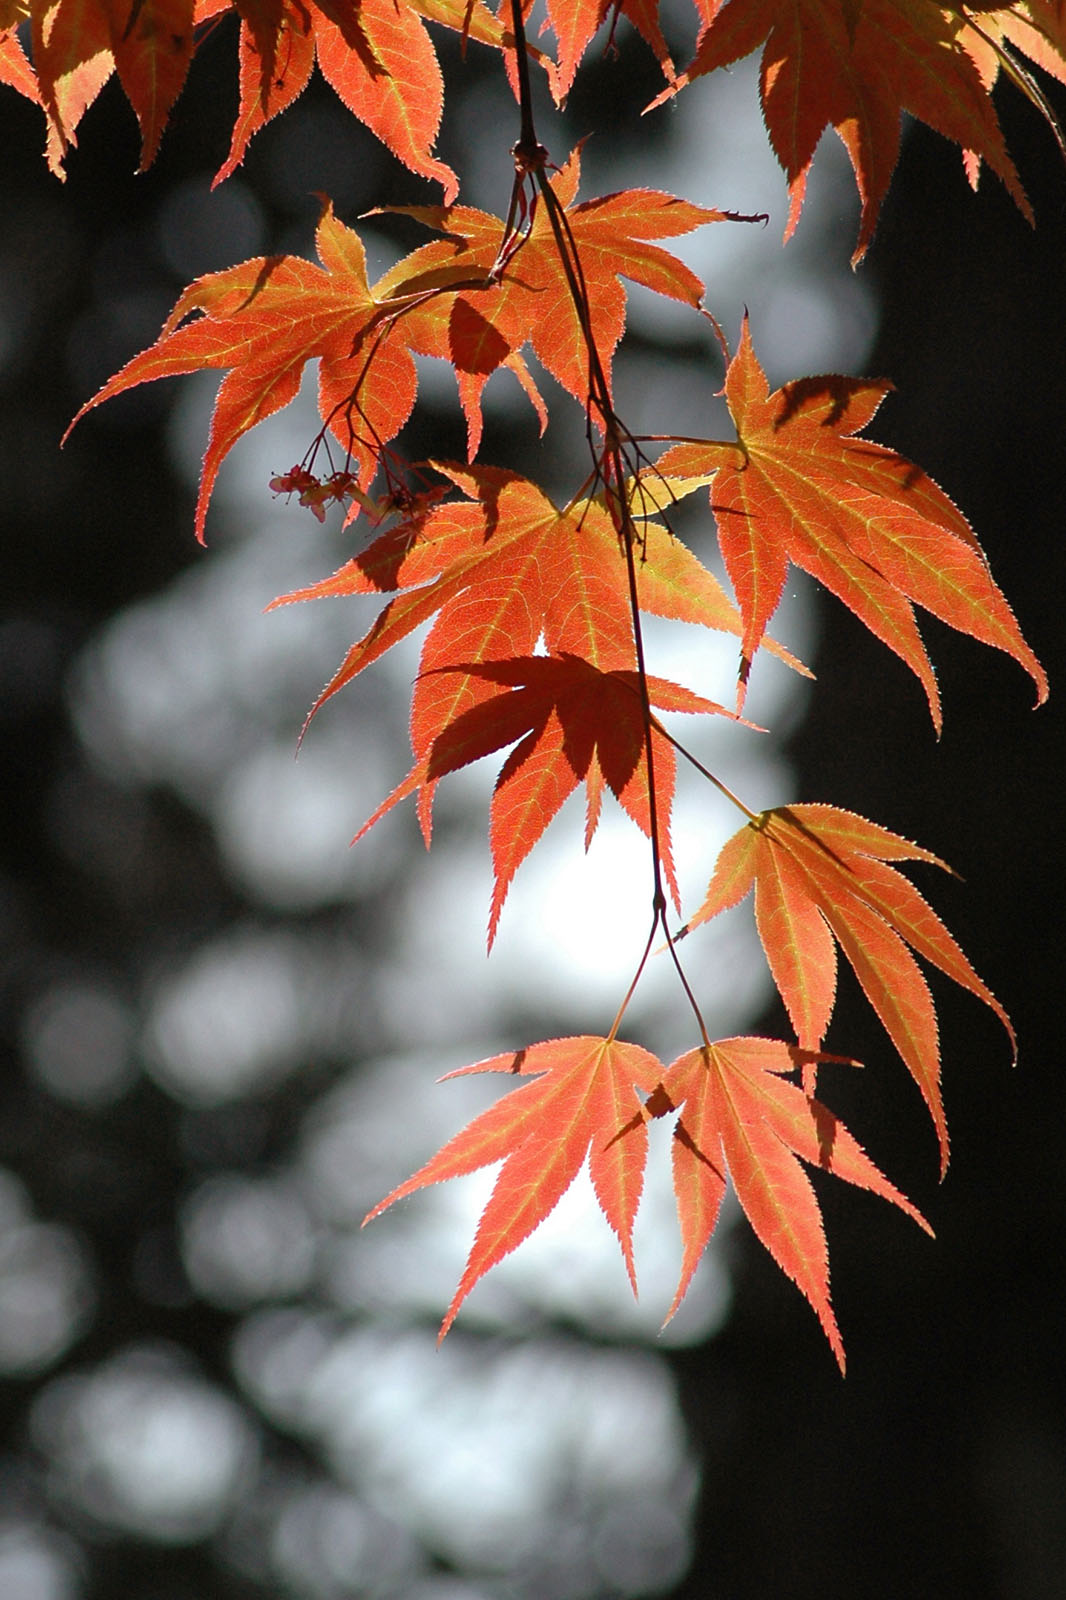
[535, 645]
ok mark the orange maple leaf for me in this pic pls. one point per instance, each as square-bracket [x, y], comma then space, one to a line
[570, 723]
[15, 69]
[375, 54]
[821, 874]
[739, 1115]
[264, 320]
[855, 67]
[868, 524]
[506, 570]
[533, 302]
[583, 1103]
[576, 22]
[77, 44]
[997, 39]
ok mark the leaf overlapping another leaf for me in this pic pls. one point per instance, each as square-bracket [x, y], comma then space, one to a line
[266, 318]
[570, 723]
[375, 54]
[821, 874]
[263, 321]
[504, 572]
[532, 303]
[868, 524]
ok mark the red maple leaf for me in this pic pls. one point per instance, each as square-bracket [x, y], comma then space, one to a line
[582, 1104]
[740, 1116]
[570, 723]
[869, 525]
[820, 874]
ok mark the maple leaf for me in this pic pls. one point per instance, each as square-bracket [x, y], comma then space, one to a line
[576, 22]
[266, 318]
[570, 723]
[375, 54]
[532, 302]
[582, 1104]
[501, 573]
[77, 44]
[855, 67]
[152, 42]
[868, 524]
[71, 46]
[1037, 30]
[820, 874]
[15, 69]
[740, 1116]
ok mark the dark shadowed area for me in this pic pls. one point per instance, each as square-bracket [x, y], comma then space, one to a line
[216, 1021]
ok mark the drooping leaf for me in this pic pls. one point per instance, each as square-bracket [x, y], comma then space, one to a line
[152, 42]
[998, 39]
[856, 68]
[581, 1104]
[77, 44]
[375, 54]
[72, 57]
[869, 525]
[821, 874]
[570, 723]
[575, 24]
[740, 1116]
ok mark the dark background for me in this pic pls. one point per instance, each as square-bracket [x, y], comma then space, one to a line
[939, 1465]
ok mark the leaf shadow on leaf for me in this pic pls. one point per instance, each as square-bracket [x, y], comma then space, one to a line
[825, 1124]
[477, 346]
[802, 394]
[347, 23]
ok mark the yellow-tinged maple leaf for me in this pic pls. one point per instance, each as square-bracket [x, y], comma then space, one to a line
[821, 874]
[868, 524]
[582, 1104]
[740, 1115]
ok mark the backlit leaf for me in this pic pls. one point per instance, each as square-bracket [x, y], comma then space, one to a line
[821, 874]
[740, 1116]
[582, 1104]
[869, 525]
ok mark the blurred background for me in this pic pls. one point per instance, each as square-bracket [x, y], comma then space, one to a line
[221, 1027]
